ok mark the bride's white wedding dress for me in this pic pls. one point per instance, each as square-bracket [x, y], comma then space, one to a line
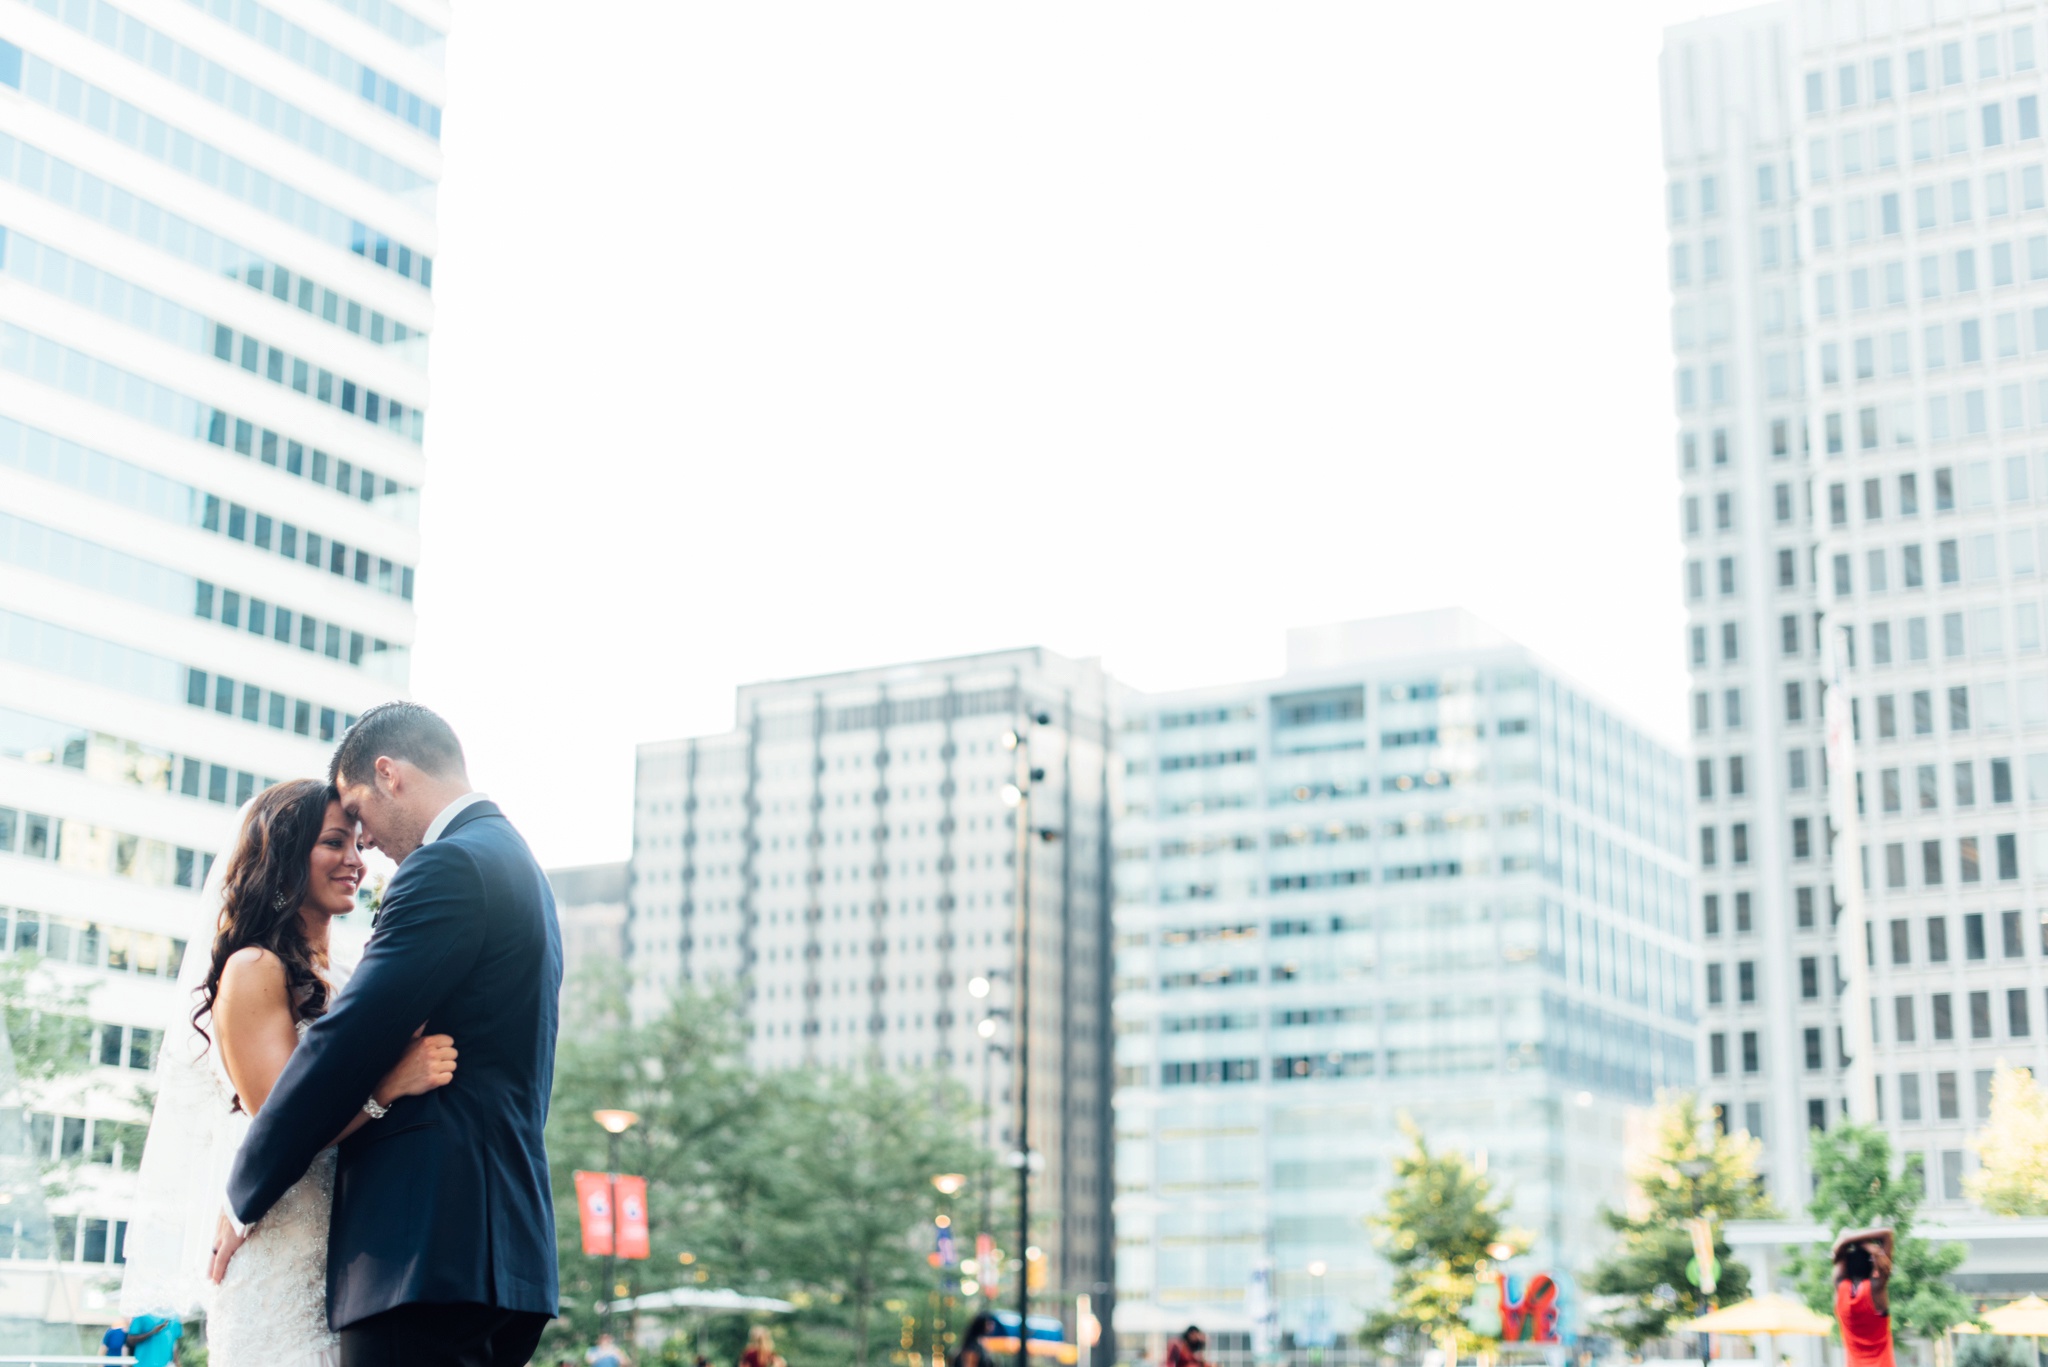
[271, 1309]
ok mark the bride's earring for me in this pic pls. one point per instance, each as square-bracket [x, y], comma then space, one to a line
[282, 901]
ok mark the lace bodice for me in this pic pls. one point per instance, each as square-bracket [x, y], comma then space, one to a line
[271, 1309]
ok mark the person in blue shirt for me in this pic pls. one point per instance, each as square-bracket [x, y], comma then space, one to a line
[114, 1342]
[152, 1340]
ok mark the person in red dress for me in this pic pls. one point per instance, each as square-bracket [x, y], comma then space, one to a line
[1863, 1307]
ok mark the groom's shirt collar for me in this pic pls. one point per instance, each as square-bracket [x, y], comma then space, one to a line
[439, 826]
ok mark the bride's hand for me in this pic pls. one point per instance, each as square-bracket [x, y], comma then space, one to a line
[225, 1242]
[429, 1063]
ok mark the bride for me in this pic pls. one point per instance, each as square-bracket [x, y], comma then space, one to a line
[295, 867]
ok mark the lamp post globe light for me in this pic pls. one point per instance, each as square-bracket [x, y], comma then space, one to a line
[614, 1123]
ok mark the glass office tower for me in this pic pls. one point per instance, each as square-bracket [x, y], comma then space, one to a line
[1420, 875]
[217, 241]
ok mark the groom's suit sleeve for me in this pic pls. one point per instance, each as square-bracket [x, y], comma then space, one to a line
[428, 936]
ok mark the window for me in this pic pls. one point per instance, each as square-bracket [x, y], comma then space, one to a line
[1724, 512]
[1966, 783]
[1947, 1104]
[1795, 697]
[1944, 1020]
[1707, 851]
[1816, 1114]
[1738, 782]
[1731, 708]
[1902, 942]
[1815, 1059]
[1715, 989]
[1930, 863]
[1909, 1096]
[1743, 924]
[2009, 935]
[1923, 712]
[1710, 914]
[1973, 936]
[1787, 573]
[1937, 940]
[1980, 1015]
[1902, 1019]
[1702, 720]
[2001, 781]
[1705, 769]
[1910, 573]
[1752, 1059]
[2016, 1022]
[1795, 769]
[1802, 900]
[1745, 981]
[1738, 843]
[1802, 837]
[1809, 978]
[1717, 1054]
[1788, 634]
[1725, 575]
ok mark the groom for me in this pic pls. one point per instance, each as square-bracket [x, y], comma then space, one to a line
[442, 1249]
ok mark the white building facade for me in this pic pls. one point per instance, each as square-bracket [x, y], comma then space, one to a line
[1859, 270]
[217, 238]
[844, 862]
[1420, 875]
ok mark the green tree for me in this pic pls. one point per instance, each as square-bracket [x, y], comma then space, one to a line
[1856, 1185]
[1441, 1218]
[1684, 1176]
[803, 1184]
[2014, 1147]
[851, 1218]
[45, 1021]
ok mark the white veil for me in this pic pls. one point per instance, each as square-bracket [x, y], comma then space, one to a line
[193, 1136]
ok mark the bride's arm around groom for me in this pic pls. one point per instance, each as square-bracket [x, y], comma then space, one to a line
[443, 1225]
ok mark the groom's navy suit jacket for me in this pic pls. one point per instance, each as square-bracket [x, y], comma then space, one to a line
[447, 1197]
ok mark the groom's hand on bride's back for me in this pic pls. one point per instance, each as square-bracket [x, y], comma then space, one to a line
[428, 1064]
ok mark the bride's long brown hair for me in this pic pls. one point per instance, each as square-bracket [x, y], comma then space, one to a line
[266, 881]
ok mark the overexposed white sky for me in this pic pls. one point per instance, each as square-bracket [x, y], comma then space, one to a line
[781, 338]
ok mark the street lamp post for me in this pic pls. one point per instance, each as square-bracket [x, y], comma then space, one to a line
[1693, 1170]
[614, 1123]
[1018, 795]
[1318, 1316]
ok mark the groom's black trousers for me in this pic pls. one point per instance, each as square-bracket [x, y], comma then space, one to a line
[443, 1336]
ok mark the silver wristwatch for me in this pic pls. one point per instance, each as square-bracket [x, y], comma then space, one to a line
[374, 1111]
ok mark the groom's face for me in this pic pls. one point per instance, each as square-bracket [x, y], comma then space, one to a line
[382, 801]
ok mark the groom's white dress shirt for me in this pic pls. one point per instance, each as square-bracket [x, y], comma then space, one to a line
[439, 825]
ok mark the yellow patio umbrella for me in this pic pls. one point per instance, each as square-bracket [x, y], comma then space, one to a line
[1771, 1314]
[2027, 1318]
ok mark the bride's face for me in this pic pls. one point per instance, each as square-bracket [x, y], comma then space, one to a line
[337, 864]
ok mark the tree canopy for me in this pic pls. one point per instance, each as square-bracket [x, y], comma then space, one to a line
[810, 1185]
[2014, 1147]
[1692, 1169]
[1857, 1185]
[1440, 1219]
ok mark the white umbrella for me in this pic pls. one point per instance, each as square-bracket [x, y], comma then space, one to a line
[690, 1298]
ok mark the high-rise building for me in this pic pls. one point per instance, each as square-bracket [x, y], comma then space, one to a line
[1859, 272]
[215, 274]
[590, 903]
[844, 861]
[1422, 874]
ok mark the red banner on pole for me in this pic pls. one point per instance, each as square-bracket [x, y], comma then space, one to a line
[632, 1216]
[594, 1204]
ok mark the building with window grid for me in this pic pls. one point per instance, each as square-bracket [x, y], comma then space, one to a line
[1859, 272]
[844, 862]
[217, 231]
[1421, 875]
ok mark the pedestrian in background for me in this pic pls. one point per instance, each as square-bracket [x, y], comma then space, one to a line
[971, 1353]
[606, 1354]
[1186, 1351]
[760, 1348]
[1863, 1306]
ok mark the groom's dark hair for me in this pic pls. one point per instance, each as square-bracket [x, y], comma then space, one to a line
[401, 730]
